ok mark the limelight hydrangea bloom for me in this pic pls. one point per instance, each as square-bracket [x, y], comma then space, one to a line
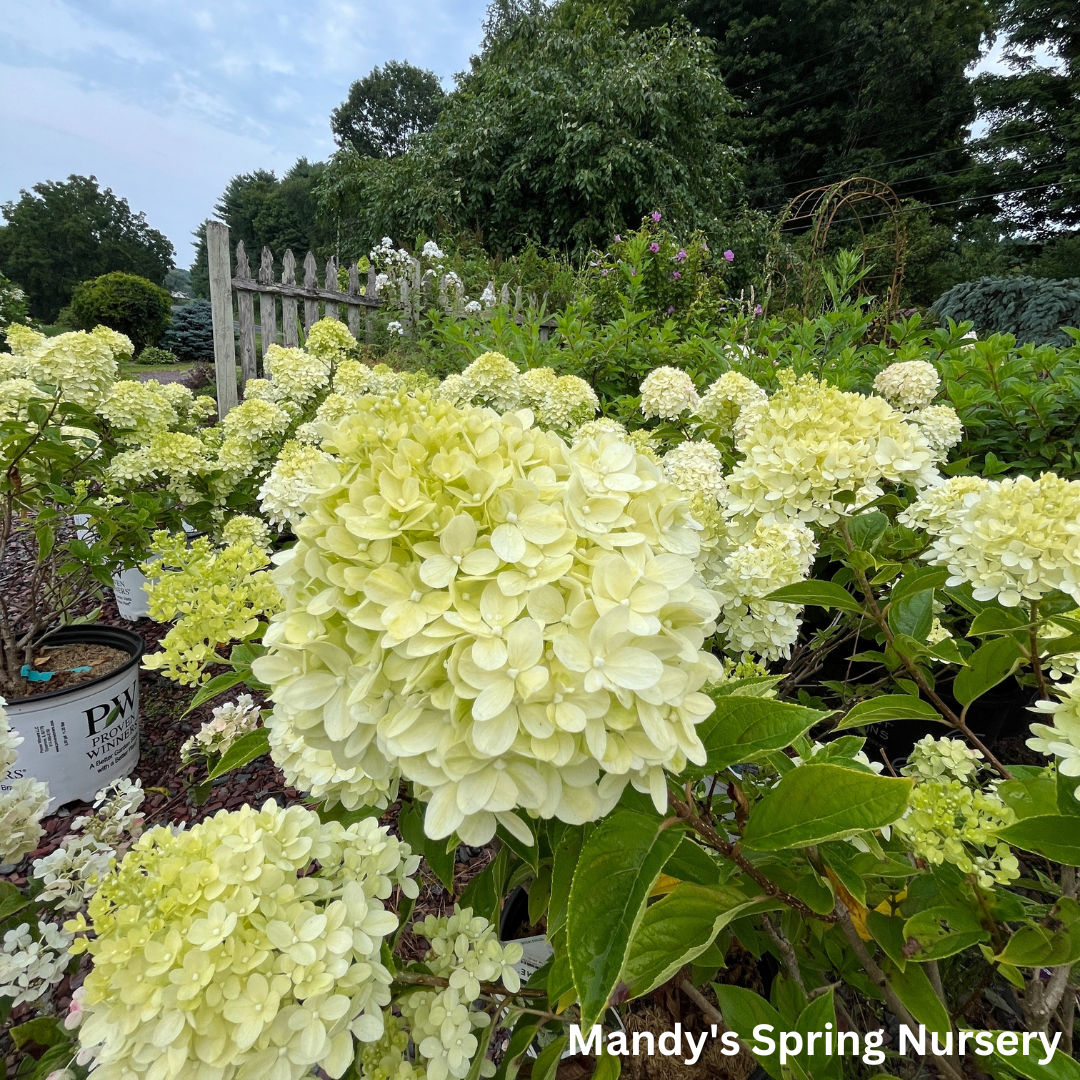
[492, 379]
[943, 504]
[696, 468]
[1061, 737]
[31, 966]
[1016, 539]
[667, 393]
[329, 340]
[466, 951]
[602, 425]
[141, 409]
[246, 529]
[940, 424]
[217, 948]
[226, 724]
[561, 403]
[727, 397]
[950, 819]
[261, 389]
[292, 479]
[455, 389]
[297, 375]
[508, 622]
[910, 384]
[774, 556]
[353, 378]
[21, 339]
[812, 441]
[23, 802]
[81, 365]
[215, 595]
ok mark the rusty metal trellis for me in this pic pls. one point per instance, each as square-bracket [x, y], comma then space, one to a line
[819, 207]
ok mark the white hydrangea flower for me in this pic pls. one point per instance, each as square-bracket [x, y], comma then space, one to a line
[351, 378]
[727, 397]
[329, 340]
[696, 468]
[943, 504]
[667, 393]
[139, 409]
[1017, 539]
[910, 384]
[1061, 737]
[493, 380]
[297, 375]
[941, 426]
[23, 802]
[261, 927]
[774, 556]
[560, 403]
[81, 365]
[290, 482]
[226, 724]
[542, 597]
[30, 966]
[395, 327]
[809, 443]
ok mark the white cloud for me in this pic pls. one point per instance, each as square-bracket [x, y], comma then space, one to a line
[164, 102]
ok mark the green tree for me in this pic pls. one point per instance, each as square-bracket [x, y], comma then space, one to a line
[387, 108]
[831, 89]
[124, 302]
[1033, 141]
[62, 233]
[568, 127]
[262, 210]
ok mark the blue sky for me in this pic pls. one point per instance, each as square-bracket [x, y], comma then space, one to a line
[163, 101]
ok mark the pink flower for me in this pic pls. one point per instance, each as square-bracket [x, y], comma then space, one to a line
[654, 247]
[757, 309]
[680, 255]
[656, 215]
[75, 1010]
[671, 309]
[676, 275]
[633, 271]
[618, 239]
[729, 256]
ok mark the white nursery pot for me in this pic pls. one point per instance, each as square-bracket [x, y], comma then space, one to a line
[132, 600]
[69, 740]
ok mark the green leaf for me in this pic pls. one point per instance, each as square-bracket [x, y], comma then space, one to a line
[435, 853]
[618, 867]
[889, 707]
[41, 1031]
[217, 685]
[1034, 945]
[520, 1041]
[740, 728]
[547, 1061]
[1067, 802]
[888, 932]
[914, 989]
[821, 802]
[1059, 1067]
[913, 615]
[678, 928]
[1053, 835]
[943, 931]
[989, 664]
[251, 745]
[567, 852]
[818, 593]
[481, 1053]
[917, 581]
[743, 1010]
[691, 862]
[608, 1067]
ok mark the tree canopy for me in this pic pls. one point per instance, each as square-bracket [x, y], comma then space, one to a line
[1033, 141]
[831, 89]
[387, 108]
[262, 210]
[64, 232]
[569, 126]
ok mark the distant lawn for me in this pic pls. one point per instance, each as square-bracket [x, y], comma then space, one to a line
[130, 370]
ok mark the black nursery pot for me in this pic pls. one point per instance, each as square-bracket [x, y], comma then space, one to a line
[80, 738]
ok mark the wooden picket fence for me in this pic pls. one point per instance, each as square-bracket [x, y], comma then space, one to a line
[413, 296]
[224, 283]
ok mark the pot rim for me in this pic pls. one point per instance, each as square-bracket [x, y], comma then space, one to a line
[135, 645]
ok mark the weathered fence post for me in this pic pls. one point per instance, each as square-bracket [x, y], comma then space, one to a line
[331, 285]
[267, 305]
[245, 308]
[218, 263]
[290, 330]
[311, 281]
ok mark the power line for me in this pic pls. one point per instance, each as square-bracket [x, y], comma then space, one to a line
[896, 161]
[966, 198]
